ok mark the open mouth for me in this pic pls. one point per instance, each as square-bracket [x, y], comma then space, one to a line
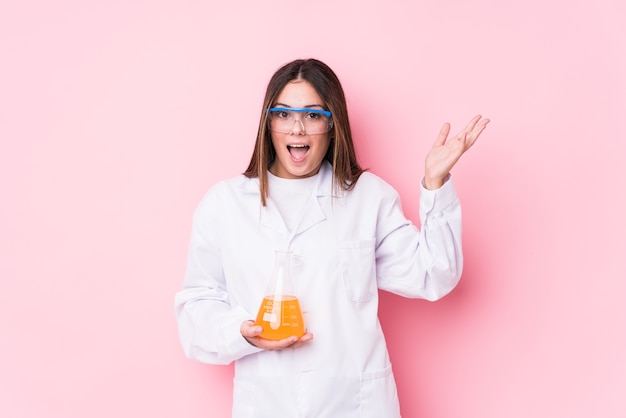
[298, 151]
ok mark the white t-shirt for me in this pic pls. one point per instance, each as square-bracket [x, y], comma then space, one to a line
[290, 197]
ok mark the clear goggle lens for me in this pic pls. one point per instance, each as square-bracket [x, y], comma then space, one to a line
[288, 119]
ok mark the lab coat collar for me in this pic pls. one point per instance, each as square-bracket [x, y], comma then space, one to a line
[325, 181]
[313, 212]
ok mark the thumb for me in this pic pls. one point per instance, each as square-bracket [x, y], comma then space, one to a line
[249, 330]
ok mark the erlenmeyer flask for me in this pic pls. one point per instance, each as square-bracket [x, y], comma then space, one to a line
[280, 314]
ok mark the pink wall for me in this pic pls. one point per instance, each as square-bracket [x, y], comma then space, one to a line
[116, 116]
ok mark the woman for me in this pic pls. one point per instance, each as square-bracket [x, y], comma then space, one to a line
[305, 192]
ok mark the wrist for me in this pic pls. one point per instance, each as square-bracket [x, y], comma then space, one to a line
[433, 183]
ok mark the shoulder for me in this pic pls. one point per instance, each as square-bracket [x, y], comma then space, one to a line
[226, 190]
[235, 184]
[373, 184]
[373, 191]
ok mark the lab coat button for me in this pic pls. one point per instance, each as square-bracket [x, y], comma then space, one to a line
[296, 259]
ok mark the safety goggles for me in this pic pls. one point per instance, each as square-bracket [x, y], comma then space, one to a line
[292, 119]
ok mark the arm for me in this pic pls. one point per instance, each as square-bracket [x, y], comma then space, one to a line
[424, 263]
[209, 328]
[435, 253]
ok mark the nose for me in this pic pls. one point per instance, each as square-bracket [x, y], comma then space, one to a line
[298, 127]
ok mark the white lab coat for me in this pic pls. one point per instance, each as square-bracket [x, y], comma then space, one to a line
[347, 246]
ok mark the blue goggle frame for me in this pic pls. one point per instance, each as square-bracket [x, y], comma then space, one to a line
[300, 109]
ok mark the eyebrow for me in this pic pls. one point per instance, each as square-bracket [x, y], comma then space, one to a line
[305, 107]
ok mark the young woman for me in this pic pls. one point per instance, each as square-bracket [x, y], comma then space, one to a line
[305, 192]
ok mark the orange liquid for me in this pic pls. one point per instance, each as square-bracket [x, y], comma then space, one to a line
[280, 319]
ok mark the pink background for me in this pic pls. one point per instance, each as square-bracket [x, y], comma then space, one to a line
[117, 116]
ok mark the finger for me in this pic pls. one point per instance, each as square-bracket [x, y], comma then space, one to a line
[303, 340]
[481, 125]
[270, 345]
[472, 123]
[249, 330]
[468, 128]
[459, 146]
[443, 134]
[266, 344]
[279, 344]
[477, 130]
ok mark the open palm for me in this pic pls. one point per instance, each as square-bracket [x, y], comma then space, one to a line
[445, 152]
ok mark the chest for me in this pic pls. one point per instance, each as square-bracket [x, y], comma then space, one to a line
[323, 242]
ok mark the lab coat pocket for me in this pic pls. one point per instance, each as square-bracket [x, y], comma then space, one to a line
[379, 396]
[358, 268]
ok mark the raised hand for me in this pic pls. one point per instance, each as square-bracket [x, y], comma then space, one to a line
[445, 152]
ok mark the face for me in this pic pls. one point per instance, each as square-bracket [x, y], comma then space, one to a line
[298, 154]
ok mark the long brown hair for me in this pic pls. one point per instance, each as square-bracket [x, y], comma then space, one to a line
[340, 154]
